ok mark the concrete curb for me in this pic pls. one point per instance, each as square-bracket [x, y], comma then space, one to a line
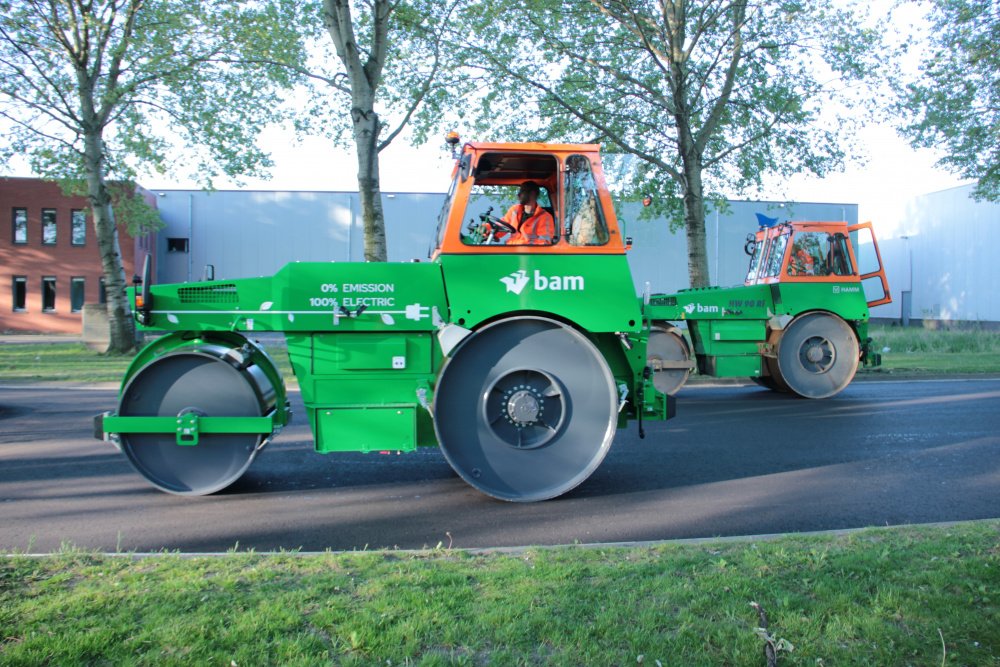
[488, 551]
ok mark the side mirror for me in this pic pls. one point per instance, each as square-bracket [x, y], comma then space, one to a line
[209, 273]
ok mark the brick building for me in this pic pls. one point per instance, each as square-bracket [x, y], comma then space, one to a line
[50, 265]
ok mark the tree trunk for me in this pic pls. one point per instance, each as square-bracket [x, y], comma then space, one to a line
[694, 218]
[366, 131]
[120, 323]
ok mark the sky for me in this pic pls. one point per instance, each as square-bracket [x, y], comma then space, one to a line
[893, 174]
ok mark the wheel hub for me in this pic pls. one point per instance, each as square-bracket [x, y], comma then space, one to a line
[817, 354]
[524, 408]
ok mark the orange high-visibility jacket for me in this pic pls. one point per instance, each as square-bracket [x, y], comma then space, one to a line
[538, 229]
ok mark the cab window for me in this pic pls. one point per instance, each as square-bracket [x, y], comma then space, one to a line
[756, 259]
[819, 254]
[443, 215]
[499, 176]
[486, 201]
[775, 255]
[585, 223]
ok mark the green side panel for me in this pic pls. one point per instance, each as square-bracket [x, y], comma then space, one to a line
[844, 299]
[361, 389]
[729, 330]
[309, 296]
[594, 291]
[742, 302]
[335, 353]
[355, 369]
[733, 366]
[366, 429]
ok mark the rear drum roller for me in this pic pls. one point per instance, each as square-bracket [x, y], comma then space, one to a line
[818, 355]
[205, 381]
[668, 345]
[525, 409]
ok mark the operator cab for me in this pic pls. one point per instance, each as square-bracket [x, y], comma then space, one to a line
[485, 185]
[818, 252]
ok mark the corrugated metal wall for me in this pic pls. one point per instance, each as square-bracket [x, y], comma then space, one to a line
[941, 261]
[254, 233]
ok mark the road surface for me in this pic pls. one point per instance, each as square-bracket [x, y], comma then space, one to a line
[736, 461]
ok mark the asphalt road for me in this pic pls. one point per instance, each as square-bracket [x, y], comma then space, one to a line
[736, 461]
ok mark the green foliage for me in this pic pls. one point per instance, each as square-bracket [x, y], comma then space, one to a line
[155, 80]
[419, 75]
[908, 596]
[128, 203]
[720, 91]
[955, 105]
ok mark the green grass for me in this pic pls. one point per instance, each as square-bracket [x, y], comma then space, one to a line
[72, 362]
[907, 596]
[920, 350]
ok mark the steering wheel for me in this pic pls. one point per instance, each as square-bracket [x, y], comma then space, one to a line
[497, 222]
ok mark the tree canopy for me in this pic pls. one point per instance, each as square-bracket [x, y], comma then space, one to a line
[707, 97]
[955, 105]
[99, 89]
[375, 70]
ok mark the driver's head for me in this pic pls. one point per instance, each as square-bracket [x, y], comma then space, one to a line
[528, 193]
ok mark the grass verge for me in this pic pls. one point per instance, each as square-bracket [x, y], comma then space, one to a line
[912, 350]
[915, 350]
[73, 362]
[902, 596]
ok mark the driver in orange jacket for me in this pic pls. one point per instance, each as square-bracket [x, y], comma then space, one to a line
[533, 225]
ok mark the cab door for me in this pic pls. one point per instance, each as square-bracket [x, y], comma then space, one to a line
[869, 263]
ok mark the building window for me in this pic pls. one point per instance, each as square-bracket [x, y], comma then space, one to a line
[77, 291]
[20, 226]
[177, 245]
[48, 295]
[48, 226]
[78, 227]
[102, 293]
[20, 294]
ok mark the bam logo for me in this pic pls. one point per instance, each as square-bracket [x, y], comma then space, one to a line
[692, 307]
[516, 282]
[557, 282]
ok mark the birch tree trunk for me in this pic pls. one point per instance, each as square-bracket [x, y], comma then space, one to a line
[364, 80]
[694, 225]
[120, 323]
[366, 131]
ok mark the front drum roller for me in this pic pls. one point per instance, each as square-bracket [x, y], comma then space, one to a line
[525, 409]
[207, 380]
[818, 355]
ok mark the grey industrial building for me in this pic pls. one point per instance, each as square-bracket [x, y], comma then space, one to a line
[939, 260]
[254, 233]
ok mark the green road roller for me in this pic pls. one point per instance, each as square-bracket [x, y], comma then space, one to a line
[519, 348]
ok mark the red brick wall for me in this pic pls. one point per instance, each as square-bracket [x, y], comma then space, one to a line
[62, 261]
